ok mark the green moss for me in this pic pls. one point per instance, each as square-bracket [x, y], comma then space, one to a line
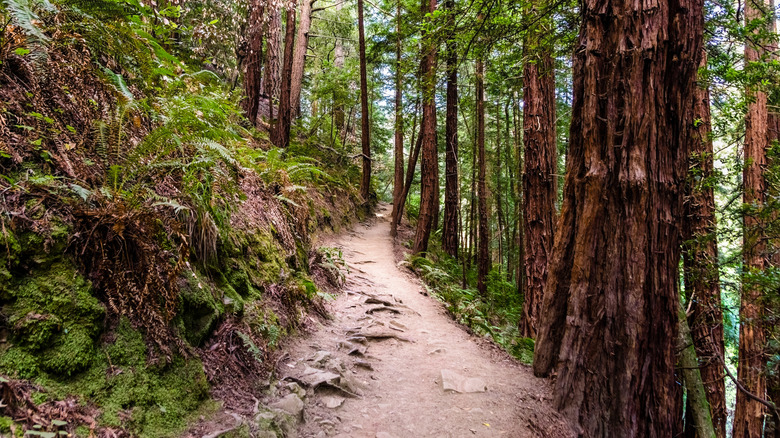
[5, 424]
[157, 399]
[54, 321]
[201, 308]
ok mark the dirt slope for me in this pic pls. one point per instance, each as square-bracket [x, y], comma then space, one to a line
[401, 341]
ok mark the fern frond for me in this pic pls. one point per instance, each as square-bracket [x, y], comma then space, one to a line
[23, 16]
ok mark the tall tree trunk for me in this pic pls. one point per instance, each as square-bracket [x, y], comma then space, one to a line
[414, 154]
[499, 191]
[281, 138]
[696, 400]
[520, 198]
[483, 237]
[749, 414]
[365, 131]
[451, 182]
[271, 75]
[338, 64]
[429, 167]
[253, 79]
[398, 180]
[299, 57]
[539, 180]
[700, 258]
[609, 314]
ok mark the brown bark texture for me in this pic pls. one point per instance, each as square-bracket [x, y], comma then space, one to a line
[281, 131]
[609, 315]
[365, 131]
[451, 182]
[272, 73]
[539, 180]
[253, 78]
[483, 236]
[299, 56]
[700, 258]
[429, 165]
[748, 413]
[398, 151]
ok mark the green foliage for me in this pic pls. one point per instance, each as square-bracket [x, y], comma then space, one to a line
[497, 314]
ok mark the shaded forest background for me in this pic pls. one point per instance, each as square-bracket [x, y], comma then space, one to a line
[163, 166]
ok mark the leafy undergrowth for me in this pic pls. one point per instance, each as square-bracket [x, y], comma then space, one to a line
[154, 251]
[497, 314]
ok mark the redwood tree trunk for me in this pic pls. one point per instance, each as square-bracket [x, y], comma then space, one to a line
[451, 183]
[749, 414]
[609, 315]
[281, 137]
[398, 180]
[253, 79]
[483, 249]
[271, 75]
[299, 56]
[365, 131]
[429, 166]
[414, 155]
[700, 259]
[539, 179]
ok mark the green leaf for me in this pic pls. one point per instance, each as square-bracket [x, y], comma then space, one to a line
[21, 51]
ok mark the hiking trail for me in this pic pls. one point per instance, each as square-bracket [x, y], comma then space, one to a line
[392, 363]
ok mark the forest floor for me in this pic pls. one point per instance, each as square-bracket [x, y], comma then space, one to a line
[391, 362]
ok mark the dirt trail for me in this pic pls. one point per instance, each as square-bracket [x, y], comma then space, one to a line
[391, 385]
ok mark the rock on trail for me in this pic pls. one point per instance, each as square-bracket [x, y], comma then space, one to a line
[391, 363]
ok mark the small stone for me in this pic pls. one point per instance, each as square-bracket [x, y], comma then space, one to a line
[438, 350]
[452, 381]
[332, 402]
[291, 404]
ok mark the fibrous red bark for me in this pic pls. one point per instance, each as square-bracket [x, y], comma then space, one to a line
[449, 239]
[700, 259]
[299, 56]
[429, 166]
[539, 178]
[281, 131]
[254, 61]
[609, 315]
[398, 151]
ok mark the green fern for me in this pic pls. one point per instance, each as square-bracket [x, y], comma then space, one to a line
[22, 15]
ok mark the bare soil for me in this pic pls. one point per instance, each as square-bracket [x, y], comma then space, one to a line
[400, 341]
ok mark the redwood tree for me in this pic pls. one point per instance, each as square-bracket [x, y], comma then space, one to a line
[609, 315]
[429, 166]
[281, 131]
[539, 178]
[700, 259]
[365, 132]
[299, 56]
[451, 182]
[483, 250]
[748, 413]
[398, 151]
[254, 61]
[271, 74]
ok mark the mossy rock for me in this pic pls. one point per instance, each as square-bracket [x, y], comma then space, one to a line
[54, 321]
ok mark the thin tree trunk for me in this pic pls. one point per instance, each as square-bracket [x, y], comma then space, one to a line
[254, 61]
[414, 154]
[429, 167]
[281, 138]
[748, 413]
[697, 405]
[483, 252]
[299, 58]
[539, 180]
[700, 259]
[520, 199]
[473, 203]
[499, 191]
[398, 182]
[365, 127]
[609, 315]
[451, 182]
